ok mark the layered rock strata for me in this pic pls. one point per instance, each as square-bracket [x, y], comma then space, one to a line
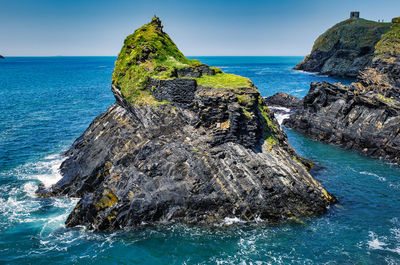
[184, 142]
[365, 115]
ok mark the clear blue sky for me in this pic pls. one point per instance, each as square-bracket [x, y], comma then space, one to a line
[201, 27]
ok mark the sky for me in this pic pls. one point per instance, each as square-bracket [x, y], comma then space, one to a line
[199, 28]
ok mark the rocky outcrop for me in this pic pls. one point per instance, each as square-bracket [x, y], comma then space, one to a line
[283, 100]
[340, 115]
[187, 144]
[365, 115]
[345, 49]
[1, 57]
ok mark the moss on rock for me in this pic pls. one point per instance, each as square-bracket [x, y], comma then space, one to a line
[390, 41]
[150, 53]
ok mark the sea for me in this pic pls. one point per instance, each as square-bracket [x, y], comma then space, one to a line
[47, 102]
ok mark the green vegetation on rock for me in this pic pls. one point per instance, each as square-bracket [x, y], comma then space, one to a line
[351, 33]
[223, 80]
[390, 41]
[385, 99]
[150, 53]
[270, 129]
[345, 49]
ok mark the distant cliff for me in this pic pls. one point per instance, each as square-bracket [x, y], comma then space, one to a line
[1, 57]
[345, 49]
[183, 142]
[365, 115]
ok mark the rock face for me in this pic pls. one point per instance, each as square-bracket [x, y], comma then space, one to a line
[345, 49]
[342, 116]
[1, 57]
[189, 144]
[283, 100]
[365, 115]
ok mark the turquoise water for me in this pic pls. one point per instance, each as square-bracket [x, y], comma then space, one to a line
[45, 103]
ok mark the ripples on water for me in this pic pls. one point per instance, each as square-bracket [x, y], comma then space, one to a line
[46, 103]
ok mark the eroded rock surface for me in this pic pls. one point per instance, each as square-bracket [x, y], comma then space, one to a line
[365, 115]
[340, 115]
[191, 144]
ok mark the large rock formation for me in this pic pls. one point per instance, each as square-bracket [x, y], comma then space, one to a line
[1, 57]
[344, 49]
[183, 142]
[365, 115]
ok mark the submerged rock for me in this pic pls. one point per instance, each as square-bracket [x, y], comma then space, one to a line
[365, 115]
[345, 49]
[183, 142]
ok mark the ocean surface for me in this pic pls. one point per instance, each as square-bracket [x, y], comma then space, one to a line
[45, 103]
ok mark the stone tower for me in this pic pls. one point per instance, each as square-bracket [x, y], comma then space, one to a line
[355, 14]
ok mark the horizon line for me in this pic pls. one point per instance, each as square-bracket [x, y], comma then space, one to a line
[20, 56]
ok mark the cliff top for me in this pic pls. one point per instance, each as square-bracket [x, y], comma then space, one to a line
[353, 32]
[150, 53]
[390, 41]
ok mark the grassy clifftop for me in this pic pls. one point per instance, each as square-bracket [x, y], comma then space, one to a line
[150, 53]
[353, 33]
[345, 49]
[390, 41]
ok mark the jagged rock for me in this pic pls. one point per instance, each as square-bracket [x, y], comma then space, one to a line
[345, 49]
[365, 115]
[342, 116]
[283, 100]
[195, 149]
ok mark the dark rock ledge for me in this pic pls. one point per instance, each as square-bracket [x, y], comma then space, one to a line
[353, 117]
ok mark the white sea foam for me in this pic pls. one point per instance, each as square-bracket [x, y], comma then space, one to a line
[233, 220]
[281, 117]
[377, 243]
[18, 204]
[48, 170]
[266, 71]
[373, 174]
[280, 108]
[281, 113]
[304, 72]
[374, 242]
[29, 188]
[296, 91]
